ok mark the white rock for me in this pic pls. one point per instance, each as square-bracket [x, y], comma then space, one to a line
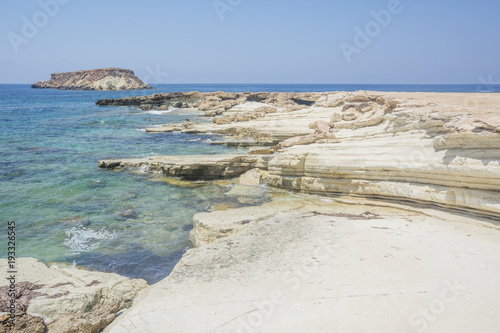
[251, 177]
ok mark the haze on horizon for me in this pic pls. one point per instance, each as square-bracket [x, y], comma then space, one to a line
[242, 41]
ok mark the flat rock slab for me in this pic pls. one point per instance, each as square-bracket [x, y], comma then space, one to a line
[193, 166]
[309, 265]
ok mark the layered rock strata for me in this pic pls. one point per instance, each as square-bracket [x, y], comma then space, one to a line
[96, 79]
[300, 264]
[427, 148]
[205, 167]
[66, 299]
[375, 252]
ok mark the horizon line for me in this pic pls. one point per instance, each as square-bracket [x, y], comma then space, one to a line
[253, 83]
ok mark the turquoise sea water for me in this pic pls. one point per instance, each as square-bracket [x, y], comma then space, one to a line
[68, 210]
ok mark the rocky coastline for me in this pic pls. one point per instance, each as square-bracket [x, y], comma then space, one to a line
[61, 298]
[426, 148]
[382, 214]
[95, 79]
[390, 200]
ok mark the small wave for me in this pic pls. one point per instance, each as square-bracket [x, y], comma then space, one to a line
[141, 130]
[144, 168]
[160, 112]
[80, 239]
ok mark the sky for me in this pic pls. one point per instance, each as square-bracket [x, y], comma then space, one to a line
[254, 41]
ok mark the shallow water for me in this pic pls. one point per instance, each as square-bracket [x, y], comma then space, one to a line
[69, 210]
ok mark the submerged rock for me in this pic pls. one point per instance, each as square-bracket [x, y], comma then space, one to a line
[179, 182]
[127, 213]
[224, 206]
[248, 194]
[75, 220]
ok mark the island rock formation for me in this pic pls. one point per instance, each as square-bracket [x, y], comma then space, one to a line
[95, 79]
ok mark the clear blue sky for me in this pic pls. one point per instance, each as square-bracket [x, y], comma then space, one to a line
[259, 41]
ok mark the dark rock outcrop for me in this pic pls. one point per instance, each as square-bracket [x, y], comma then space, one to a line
[214, 103]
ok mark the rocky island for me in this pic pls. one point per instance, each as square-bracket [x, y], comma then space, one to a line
[96, 79]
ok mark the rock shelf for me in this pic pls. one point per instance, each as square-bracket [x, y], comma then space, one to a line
[386, 221]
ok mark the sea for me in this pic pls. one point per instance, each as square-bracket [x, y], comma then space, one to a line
[68, 211]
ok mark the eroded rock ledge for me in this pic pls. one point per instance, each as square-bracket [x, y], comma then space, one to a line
[439, 149]
[96, 79]
[65, 299]
[193, 167]
[301, 264]
[304, 262]
[214, 103]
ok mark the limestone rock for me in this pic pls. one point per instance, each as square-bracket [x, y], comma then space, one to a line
[330, 100]
[336, 117]
[25, 292]
[396, 159]
[57, 292]
[267, 109]
[425, 147]
[222, 101]
[146, 107]
[320, 127]
[251, 177]
[96, 79]
[326, 137]
[24, 323]
[309, 265]
[222, 120]
[401, 166]
[89, 322]
[261, 151]
[299, 140]
[209, 227]
[194, 167]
